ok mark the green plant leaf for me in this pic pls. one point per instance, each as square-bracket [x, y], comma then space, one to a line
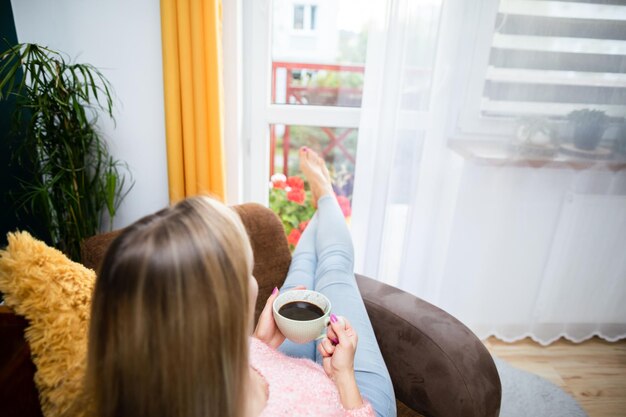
[72, 179]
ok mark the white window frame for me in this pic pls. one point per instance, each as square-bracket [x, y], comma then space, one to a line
[260, 113]
[233, 100]
[478, 25]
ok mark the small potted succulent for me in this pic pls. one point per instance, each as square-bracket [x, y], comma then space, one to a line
[588, 128]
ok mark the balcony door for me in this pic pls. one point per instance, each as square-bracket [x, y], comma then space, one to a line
[304, 65]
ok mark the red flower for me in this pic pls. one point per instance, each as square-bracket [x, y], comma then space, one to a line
[296, 183]
[303, 225]
[279, 184]
[294, 237]
[344, 203]
[296, 195]
[279, 181]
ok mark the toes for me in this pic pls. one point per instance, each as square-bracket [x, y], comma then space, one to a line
[304, 158]
[305, 154]
[311, 161]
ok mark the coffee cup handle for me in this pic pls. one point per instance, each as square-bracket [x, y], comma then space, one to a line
[326, 324]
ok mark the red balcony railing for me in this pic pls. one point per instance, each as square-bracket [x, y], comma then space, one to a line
[316, 84]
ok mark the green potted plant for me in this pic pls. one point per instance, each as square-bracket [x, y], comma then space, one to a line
[588, 128]
[73, 180]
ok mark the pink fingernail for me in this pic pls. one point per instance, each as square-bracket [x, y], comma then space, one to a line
[275, 291]
[333, 318]
[305, 149]
[335, 341]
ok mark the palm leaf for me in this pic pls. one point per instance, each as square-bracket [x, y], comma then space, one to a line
[74, 180]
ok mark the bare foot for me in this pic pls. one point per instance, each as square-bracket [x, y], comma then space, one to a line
[316, 173]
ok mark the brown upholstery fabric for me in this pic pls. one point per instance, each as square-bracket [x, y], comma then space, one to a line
[92, 250]
[403, 411]
[438, 366]
[269, 244]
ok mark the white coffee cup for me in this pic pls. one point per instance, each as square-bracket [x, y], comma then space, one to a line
[302, 331]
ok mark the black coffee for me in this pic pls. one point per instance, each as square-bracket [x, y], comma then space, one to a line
[301, 310]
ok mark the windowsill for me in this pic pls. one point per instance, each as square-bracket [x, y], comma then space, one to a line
[497, 153]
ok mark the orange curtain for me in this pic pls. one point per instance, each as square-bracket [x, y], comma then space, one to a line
[192, 73]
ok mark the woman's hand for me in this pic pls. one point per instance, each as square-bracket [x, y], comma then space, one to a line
[266, 329]
[337, 350]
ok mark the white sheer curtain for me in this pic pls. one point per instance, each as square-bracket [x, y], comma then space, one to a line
[470, 189]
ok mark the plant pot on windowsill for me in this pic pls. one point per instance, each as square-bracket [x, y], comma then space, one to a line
[535, 136]
[620, 141]
[588, 128]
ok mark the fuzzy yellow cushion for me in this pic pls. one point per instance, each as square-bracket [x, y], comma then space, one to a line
[54, 294]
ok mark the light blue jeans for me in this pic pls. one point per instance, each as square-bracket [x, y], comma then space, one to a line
[324, 261]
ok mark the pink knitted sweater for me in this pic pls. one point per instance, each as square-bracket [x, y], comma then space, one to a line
[298, 387]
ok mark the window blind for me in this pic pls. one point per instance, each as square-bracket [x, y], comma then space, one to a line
[552, 57]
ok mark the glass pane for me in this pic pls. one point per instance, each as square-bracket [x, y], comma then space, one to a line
[313, 15]
[291, 199]
[298, 17]
[318, 52]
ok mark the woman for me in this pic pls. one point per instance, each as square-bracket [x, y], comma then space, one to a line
[173, 312]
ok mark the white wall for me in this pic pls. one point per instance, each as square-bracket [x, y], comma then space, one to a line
[122, 39]
[319, 45]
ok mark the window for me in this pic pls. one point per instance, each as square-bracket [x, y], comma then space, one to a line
[336, 145]
[545, 58]
[320, 70]
[304, 17]
[313, 17]
[306, 82]
[298, 17]
[306, 69]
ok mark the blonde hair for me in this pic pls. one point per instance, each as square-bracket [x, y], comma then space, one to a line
[171, 314]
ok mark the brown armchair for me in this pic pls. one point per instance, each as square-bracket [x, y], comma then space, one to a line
[438, 366]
